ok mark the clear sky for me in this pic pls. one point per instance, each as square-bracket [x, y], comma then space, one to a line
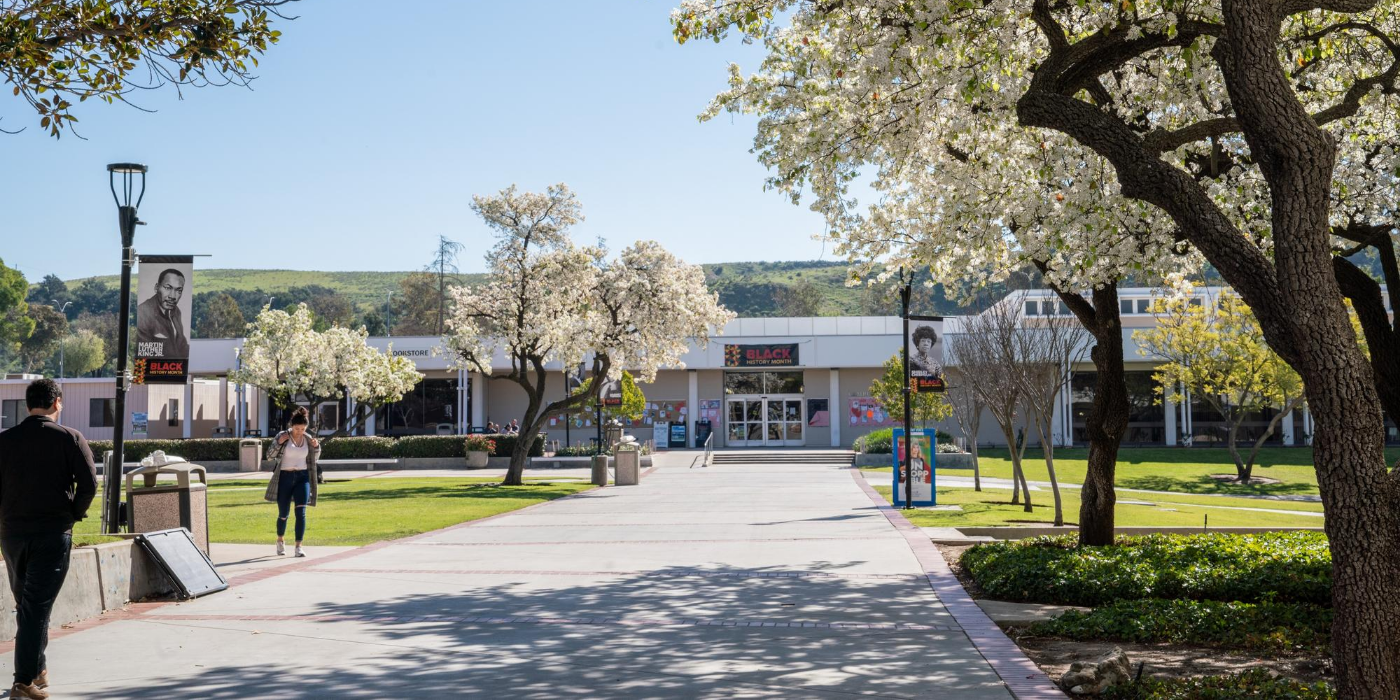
[372, 124]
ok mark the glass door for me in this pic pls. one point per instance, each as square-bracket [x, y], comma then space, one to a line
[757, 421]
[784, 425]
[745, 422]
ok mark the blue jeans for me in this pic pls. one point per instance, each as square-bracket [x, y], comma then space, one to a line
[37, 565]
[293, 487]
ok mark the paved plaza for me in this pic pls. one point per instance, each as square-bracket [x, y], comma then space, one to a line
[731, 581]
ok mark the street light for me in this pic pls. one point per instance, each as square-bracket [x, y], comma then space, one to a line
[62, 310]
[127, 174]
[388, 329]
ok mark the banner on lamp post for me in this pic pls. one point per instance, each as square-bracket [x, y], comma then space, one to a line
[164, 304]
[926, 354]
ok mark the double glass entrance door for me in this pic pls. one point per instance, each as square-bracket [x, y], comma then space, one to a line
[765, 421]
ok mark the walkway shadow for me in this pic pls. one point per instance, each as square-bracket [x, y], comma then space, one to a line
[624, 650]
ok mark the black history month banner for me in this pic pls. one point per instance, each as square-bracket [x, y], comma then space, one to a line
[164, 301]
[784, 355]
[926, 354]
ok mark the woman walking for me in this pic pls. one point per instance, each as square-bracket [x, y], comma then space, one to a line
[294, 476]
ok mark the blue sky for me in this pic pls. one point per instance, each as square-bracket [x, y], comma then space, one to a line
[369, 130]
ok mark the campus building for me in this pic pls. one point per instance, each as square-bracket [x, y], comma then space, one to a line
[764, 382]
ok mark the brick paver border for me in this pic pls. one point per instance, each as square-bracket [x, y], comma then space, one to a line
[1022, 677]
[552, 620]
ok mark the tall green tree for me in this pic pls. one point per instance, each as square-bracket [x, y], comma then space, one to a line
[56, 53]
[888, 389]
[804, 298]
[415, 306]
[221, 319]
[82, 351]
[634, 402]
[50, 327]
[15, 323]
[51, 290]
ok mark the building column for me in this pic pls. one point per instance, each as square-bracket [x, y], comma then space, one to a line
[692, 406]
[261, 399]
[1307, 427]
[478, 389]
[1187, 416]
[463, 387]
[187, 425]
[223, 402]
[833, 410]
[1288, 429]
[350, 408]
[1168, 392]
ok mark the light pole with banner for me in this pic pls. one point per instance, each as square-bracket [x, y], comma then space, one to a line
[128, 174]
[923, 373]
[904, 293]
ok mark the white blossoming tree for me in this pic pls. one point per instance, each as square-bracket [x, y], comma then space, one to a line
[285, 356]
[1260, 132]
[548, 303]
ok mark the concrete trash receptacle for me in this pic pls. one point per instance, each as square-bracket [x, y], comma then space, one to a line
[152, 508]
[600, 470]
[628, 465]
[249, 455]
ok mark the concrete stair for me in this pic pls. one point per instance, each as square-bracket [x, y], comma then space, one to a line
[841, 458]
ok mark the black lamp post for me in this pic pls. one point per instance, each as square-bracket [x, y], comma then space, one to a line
[904, 292]
[122, 178]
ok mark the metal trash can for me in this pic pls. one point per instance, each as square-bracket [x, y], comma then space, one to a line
[600, 470]
[249, 455]
[628, 460]
[186, 504]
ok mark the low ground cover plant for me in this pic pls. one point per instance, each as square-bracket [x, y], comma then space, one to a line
[1280, 567]
[1272, 627]
[1254, 684]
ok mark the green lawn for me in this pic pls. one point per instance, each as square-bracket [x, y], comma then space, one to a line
[1183, 470]
[992, 507]
[361, 511]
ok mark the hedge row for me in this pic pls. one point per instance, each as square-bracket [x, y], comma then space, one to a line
[881, 442]
[1256, 684]
[226, 449]
[1281, 567]
[1273, 627]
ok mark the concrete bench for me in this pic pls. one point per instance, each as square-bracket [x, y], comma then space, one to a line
[369, 463]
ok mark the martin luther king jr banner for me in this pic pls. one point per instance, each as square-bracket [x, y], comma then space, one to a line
[164, 301]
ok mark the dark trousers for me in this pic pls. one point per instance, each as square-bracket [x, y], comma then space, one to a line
[293, 487]
[37, 565]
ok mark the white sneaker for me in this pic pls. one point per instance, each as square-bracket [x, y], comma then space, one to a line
[281, 548]
[300, 553]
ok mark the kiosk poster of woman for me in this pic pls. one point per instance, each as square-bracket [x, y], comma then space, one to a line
[926, 353]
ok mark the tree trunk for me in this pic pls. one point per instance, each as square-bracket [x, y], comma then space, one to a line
[976, 466]
[1268, 432]
[1108, 414]
[1044, 427]
[1241, 474]
[519, 457]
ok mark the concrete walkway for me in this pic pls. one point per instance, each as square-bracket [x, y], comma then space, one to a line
[782, 582]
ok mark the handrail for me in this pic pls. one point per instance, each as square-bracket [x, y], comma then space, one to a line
[709, 451]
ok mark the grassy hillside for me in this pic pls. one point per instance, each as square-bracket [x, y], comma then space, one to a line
[747, 288]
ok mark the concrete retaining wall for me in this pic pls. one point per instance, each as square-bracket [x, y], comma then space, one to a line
[1017, 533]
[944, 460]
[100, 578]
[573, 462]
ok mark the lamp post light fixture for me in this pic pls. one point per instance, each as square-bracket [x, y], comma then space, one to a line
[388, 303]
[61, 309]
[122, 178]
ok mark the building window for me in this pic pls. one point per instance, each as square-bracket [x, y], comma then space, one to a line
[101, 413]
[172, 418]
[1125, 306]
[432, 403]
[1195, 301]
[1146, 417]
[1032, 309]
[1063, 311]
[755, 383]
[11, 413]
[1144, 306]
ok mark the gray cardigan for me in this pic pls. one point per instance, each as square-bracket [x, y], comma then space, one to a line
[274, 453]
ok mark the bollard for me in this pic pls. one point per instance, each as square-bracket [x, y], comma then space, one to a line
[600, 470]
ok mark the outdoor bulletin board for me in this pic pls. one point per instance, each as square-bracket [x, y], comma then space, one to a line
[922, 464]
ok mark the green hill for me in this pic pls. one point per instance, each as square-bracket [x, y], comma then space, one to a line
[747, 288]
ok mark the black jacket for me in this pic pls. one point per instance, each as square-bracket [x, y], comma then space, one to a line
[47, 477]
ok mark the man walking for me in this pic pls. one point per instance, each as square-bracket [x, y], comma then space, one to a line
[47, 482]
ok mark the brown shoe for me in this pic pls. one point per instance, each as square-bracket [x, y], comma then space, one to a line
[28, 692]
[42, 680]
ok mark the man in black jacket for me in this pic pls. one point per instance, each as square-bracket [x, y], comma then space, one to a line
[47, 482]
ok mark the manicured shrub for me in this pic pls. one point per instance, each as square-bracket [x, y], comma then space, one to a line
[578, 451]
[881, 442]
[1255, 684]
[353, 447]
[193, 450]
[1285, 567]
[428, 446]
[1274, 627]
[479, 443]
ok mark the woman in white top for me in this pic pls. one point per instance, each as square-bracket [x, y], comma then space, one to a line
[293, 477]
